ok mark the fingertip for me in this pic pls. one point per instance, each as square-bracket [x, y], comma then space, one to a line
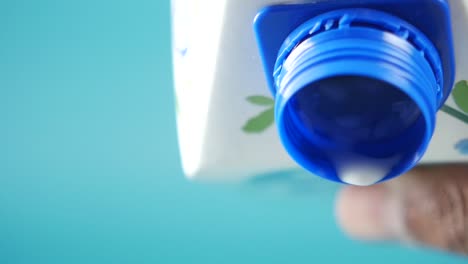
[361, 214]
[426, 206]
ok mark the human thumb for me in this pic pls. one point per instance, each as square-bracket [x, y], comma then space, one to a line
[428, 206]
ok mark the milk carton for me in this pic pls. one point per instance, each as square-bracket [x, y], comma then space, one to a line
[353, 91]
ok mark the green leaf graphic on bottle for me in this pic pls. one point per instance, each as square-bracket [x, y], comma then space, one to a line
[460, 95]
[264, 119]
[260, 100]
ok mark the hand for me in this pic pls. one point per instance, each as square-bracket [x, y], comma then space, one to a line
[428, 206]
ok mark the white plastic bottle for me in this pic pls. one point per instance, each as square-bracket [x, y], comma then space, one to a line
[231, 106]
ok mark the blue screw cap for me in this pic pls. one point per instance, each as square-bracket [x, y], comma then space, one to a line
[356, 90]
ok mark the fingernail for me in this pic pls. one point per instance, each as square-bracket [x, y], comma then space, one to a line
[369, 213]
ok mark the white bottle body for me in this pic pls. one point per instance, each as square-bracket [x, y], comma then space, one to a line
[217, 67]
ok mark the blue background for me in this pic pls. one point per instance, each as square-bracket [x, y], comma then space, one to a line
[89, 166]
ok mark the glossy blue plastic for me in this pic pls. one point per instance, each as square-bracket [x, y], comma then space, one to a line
[363, 78]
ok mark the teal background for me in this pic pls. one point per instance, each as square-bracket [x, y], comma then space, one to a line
[90, 171]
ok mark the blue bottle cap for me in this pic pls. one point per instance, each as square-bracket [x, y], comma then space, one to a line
[357, 91]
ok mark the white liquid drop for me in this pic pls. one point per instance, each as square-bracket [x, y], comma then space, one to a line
[361, 170]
